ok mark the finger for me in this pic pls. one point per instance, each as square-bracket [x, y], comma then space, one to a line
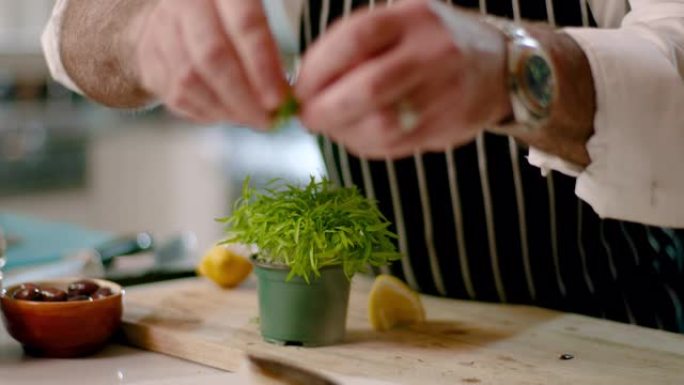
[377, 84]
[185, 91]
[248, 27]
[442, 125]
[430, 137]
[437, 129]
[371, 136]
[196, 101]
[195, 112]
[216, 61]
[348, 43]
[427, 95]
[151, 56]
[153, 71]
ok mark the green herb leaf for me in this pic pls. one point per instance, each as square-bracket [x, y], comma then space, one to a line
[310, 227]
[287, 110]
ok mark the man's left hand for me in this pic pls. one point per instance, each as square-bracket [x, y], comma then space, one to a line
[359, 78]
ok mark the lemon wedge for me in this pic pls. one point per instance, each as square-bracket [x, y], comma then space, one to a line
[224, 266]
[392, 303]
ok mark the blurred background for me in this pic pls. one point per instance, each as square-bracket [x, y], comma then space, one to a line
[73, 170]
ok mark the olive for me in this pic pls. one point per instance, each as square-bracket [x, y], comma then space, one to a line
[52, 294]
[82, 287]
[79, 297]
[28, 294]
[29, 285]
[102, 293]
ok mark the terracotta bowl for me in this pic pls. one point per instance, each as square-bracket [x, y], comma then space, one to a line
[62, 329]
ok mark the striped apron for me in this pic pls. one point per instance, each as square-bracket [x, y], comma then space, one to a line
[478, 222]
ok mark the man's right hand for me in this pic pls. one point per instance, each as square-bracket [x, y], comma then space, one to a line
[210, 60]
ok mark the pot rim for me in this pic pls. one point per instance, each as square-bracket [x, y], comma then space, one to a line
[273, 266]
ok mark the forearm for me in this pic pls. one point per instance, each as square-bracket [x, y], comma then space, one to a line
[571, 123]
[97, 49]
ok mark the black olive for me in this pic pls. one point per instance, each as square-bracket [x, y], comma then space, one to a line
[73, 298]
[102, 293]
[52, 294]
[28, 294]
[29, 285]
[83, 287]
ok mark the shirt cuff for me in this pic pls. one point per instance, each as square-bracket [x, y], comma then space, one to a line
[548, 162]
[51, 47]
[638, 135]
[284, 17]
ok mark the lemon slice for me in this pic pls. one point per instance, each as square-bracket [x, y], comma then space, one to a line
[224, 266]
[392, 303]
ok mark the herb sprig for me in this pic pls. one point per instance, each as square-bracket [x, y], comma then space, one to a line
[285, 112]
[310, 227]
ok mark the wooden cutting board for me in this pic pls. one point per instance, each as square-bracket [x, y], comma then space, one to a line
[463, 342]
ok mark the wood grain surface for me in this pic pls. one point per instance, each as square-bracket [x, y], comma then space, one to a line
[462, 342]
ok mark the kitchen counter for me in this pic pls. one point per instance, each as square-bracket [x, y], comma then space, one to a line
[117, 364]
[461, 342]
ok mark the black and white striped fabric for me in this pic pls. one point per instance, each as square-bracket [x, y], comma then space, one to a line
[479, 222]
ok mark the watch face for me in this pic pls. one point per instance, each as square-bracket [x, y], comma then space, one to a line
[537, 78]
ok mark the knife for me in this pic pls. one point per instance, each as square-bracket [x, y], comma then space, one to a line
[88, 262]
[174, 259]
[125, 245]
[156, 275]
[265, 370]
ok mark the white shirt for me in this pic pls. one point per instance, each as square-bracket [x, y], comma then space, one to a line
[637, 61]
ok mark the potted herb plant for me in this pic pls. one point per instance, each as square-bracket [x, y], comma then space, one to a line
[311, 240]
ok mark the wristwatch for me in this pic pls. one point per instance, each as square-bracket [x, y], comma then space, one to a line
[531, 79]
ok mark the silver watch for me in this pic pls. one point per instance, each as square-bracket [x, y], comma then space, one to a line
[531, 79]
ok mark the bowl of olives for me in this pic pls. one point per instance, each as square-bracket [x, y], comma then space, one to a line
[62, 318]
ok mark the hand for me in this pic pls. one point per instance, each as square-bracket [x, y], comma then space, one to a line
[355, 78]
[210, 60]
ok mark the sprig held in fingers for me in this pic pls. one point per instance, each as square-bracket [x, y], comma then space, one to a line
[285, 112]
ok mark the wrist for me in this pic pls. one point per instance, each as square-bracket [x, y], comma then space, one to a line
[571, 123]
[530, 79]
[503, 109]
[485, 59]
[550, 89]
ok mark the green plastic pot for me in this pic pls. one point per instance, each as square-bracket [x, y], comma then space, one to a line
[298, 313]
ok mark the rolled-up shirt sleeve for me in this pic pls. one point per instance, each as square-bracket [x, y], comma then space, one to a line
[283, 16]
[637, 150]
[51, 50]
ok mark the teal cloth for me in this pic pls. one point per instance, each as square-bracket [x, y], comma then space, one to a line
[43, 241]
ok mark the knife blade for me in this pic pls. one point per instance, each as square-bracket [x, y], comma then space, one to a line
[157, 275]
[272, 370]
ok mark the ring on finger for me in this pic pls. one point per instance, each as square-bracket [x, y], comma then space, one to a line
[408, 117]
